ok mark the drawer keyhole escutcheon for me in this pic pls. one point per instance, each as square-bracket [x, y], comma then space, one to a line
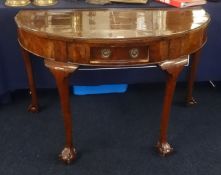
[134, 53]
[105, 53]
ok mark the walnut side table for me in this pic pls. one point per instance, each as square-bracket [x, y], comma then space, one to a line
[68, 39]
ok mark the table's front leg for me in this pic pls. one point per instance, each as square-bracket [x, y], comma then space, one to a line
[195, 58]
[33, 107]
[172, 69]
[61, 72]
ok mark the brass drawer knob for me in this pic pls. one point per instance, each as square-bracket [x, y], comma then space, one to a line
[105, 53]
[134, 53]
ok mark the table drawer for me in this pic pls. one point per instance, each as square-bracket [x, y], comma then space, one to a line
[119, 55]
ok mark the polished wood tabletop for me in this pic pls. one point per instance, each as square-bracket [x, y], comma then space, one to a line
[68, 39]
[112, 23]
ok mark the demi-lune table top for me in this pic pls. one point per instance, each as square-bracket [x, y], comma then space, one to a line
[107, 37]
[112, 23]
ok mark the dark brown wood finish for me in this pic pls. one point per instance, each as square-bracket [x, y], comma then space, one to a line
[172, 69]
[33, 107]
[66, 39]
[61, 72]
[191, 77]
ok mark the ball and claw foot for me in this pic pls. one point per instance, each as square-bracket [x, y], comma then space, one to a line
[68, 155]
[191, 101]
[33, 108]
[164, 148]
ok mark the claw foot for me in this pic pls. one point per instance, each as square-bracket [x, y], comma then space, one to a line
[68, 155]
[191, 101]
[33, 108]
[164, 148]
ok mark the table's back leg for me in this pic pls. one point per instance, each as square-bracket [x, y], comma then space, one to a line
[172, 69]
[61, 76]
[33, 107]
[195, 58]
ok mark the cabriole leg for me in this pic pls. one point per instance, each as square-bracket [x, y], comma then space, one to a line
[195, 58]
[172, 69]
[61, 72]
[33, 107]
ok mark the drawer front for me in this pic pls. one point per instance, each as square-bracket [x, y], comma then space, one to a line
[119, 55]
